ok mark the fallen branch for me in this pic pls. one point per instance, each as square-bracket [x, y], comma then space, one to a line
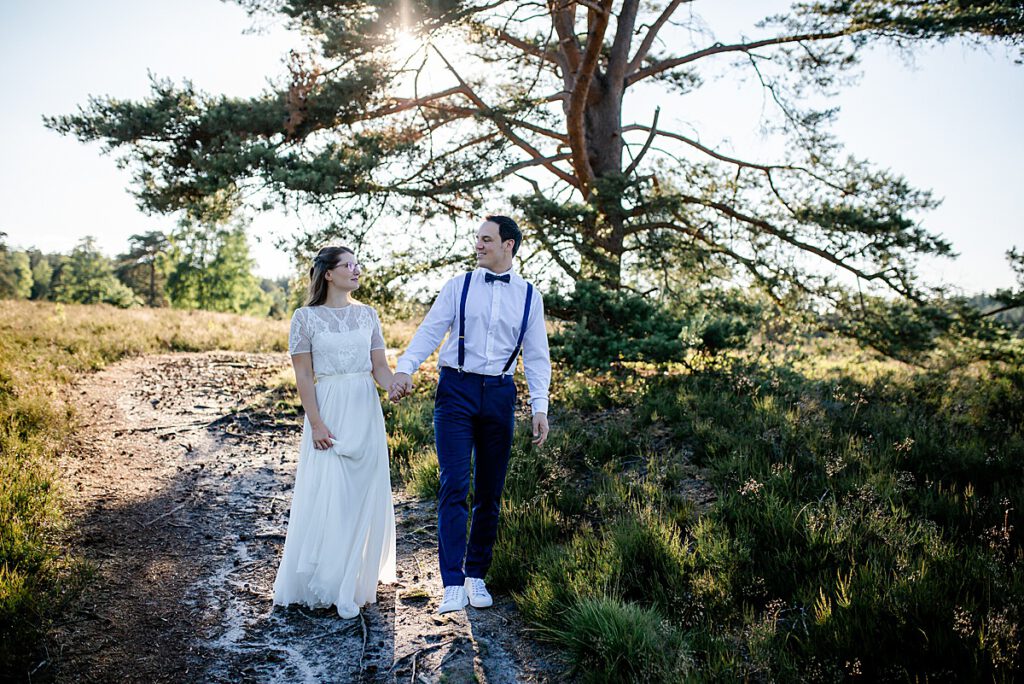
[427, 649]
[152, 428]
[160, 517]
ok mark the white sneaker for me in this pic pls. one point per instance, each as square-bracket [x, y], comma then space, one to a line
[479, 597]
[454, 599]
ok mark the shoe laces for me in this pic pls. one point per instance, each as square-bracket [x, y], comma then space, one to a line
[476, 585]
[451, 593]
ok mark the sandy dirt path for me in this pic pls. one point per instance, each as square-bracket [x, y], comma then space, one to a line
[179, 498]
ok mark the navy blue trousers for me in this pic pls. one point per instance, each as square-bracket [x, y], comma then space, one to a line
[474, 417]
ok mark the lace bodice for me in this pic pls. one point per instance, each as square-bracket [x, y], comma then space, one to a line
[340, 339]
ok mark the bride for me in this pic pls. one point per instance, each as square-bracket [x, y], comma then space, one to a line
[341, 530]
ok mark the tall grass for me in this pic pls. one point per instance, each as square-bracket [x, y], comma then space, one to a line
[865, 526]
[44, 348]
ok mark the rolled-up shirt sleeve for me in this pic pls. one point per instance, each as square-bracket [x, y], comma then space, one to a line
[536, 359]
[431, 331]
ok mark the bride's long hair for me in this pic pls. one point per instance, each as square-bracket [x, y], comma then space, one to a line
[325, 260]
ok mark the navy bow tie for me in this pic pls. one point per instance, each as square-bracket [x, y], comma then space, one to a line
[490, 278]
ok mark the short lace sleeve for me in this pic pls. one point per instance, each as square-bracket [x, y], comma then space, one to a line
[299, 338]
[376, 334]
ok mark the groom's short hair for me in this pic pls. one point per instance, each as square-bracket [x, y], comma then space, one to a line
[508, 230]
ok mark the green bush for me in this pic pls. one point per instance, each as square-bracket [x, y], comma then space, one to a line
[612, 326]
[613, 641]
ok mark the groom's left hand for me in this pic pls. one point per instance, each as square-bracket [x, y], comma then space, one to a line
[540, 428]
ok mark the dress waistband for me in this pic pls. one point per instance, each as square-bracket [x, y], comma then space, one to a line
[342, 376]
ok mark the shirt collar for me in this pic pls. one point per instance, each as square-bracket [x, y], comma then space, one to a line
[511, 271]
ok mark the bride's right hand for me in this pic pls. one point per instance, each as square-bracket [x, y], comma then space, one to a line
[322, 437]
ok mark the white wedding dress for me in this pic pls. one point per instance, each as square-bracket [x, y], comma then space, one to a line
[341, 530]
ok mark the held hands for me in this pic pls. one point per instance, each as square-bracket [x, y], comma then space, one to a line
[401, 386]
[322, 437]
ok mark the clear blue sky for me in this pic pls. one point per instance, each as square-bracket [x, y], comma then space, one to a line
[950, 122]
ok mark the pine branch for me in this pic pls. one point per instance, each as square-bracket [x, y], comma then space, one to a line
[504, 127]
[719, 48]
[767, 168]
[653, 128]
[528, 48]
[902, 286]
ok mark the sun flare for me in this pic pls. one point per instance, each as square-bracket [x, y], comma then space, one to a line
[419, 59]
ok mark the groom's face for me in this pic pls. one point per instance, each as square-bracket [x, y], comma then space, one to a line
[491, 253]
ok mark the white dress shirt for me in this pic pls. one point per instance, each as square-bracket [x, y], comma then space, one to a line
[494, 313]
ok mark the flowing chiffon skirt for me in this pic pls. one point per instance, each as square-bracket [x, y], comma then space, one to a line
[341, 529]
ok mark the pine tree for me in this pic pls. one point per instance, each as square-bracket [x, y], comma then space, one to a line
[87, 277]
[212, 270]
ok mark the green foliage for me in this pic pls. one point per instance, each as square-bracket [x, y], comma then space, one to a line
[144, 267]
[277, 292]
[203, 269]
[42, 275]
[612, 642]
[357, 137]
[531, 527]
[898, 329]
[616, 326]
[87, 277]
[713, 334]
[913, 332]
[15, 275]
[1000, 19]
[424, 475]
[1012, 299]
[861, 508]
[212, 270]
[44, 348]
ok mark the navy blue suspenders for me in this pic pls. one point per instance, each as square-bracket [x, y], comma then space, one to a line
[522, 329]
[462, 321]
[462, 324]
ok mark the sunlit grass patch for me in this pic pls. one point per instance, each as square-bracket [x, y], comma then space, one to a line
[527, 531]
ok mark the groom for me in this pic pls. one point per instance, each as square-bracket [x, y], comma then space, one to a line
[492, 315]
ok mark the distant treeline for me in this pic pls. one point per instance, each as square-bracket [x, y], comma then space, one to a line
[192, 267]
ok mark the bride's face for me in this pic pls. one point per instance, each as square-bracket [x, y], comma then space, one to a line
[346, 274]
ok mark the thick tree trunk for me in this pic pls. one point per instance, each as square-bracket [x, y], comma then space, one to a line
[604, 146]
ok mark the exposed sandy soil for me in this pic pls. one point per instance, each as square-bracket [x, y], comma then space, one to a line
[179, 497]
